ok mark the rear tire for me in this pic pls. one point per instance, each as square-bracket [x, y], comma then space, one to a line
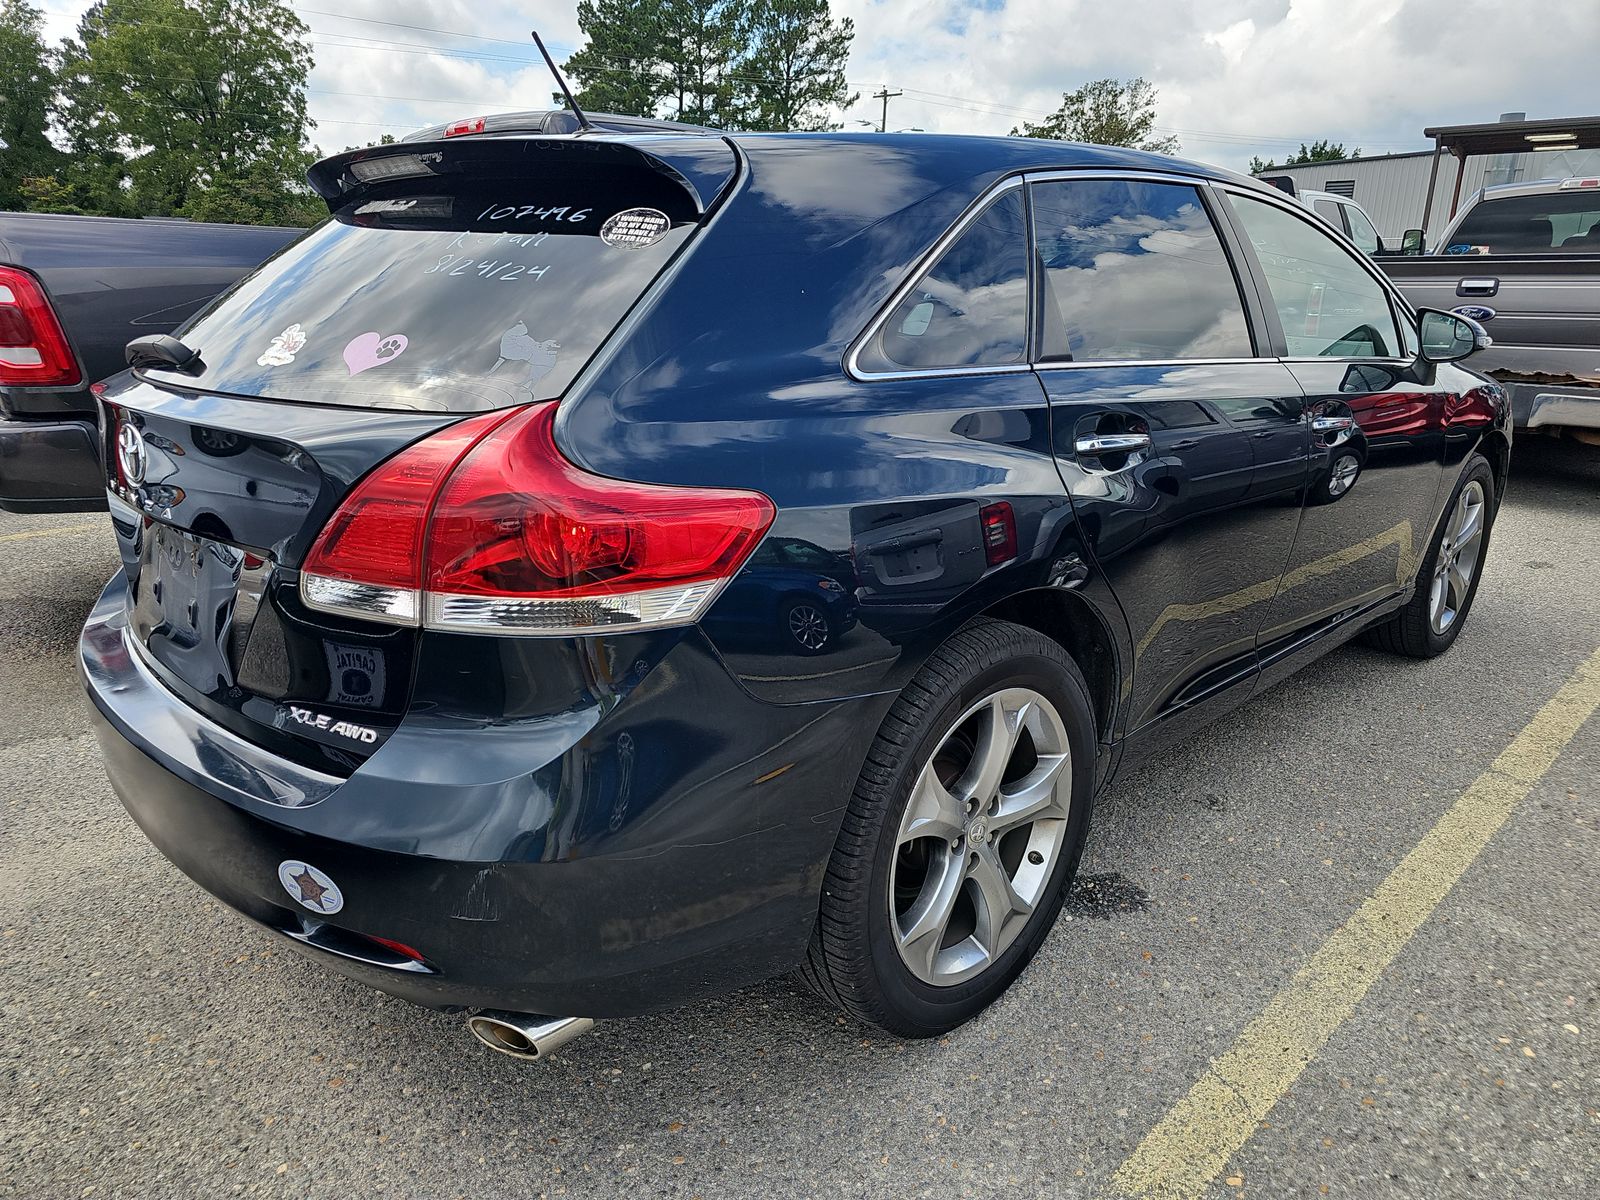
[972, 805]
[1448, 580]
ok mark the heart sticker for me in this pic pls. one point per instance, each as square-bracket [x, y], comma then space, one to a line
[374, 349]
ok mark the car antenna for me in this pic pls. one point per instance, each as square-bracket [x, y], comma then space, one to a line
[583, 122]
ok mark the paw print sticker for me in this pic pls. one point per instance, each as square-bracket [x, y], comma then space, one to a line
[374, 349]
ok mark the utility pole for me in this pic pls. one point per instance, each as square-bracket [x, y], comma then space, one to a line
[886, 95]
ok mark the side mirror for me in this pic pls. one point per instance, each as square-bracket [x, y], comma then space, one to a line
[1447, 337]
[1411, 242]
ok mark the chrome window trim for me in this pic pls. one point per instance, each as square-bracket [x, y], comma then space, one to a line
[925, 263]
[1150, 362]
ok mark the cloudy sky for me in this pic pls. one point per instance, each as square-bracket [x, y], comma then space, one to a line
[1235, 77]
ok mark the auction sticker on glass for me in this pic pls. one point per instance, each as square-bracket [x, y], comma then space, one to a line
[635, 228]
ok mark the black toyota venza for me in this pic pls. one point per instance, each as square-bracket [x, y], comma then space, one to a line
[595, 571]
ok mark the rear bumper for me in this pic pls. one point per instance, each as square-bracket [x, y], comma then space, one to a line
[596, 883]
[50, 466]
[1538, 405]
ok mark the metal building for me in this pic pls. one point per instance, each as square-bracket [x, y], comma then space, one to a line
[1393, 188]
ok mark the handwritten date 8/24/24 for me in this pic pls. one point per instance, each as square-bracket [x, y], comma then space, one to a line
[459, 264]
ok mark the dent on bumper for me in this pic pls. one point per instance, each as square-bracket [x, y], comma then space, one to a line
[609, 878]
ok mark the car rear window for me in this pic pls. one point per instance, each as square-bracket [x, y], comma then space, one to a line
[452, 295]
[1557, 223]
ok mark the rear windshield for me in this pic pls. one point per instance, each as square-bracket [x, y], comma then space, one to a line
[1556, 223]
[448, 296]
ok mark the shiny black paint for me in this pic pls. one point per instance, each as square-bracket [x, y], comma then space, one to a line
[608, 825]
[109, 280]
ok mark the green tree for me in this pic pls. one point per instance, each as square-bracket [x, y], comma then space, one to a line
[795, 69]
[620, 67]
[26, 85]
[701, 45]
[734, 64]
[190, 108]
[1106, 112]
[1318, 151]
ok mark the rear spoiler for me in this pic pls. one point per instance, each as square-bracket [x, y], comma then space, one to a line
[1284, 183]
[703, 166]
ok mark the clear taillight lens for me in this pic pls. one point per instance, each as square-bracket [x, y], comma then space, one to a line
[496, 532]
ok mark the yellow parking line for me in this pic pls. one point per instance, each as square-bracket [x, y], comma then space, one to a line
[34, 533]
[1189, 1147]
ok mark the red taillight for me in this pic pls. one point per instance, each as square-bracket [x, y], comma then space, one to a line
[999, 532]
[497, 532]
[368, 559]
[457, 128]
[33, 349]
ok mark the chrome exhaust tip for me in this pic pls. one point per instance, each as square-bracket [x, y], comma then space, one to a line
[526, 1035]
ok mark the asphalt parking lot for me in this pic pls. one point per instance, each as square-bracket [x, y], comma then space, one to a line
[153, 1045]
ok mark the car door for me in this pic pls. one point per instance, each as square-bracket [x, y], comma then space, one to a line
[1376, 419]
[1181, 446]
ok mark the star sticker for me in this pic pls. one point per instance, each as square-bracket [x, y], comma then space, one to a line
[311, 892]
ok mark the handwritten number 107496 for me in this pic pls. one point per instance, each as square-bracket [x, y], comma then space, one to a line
[513, 212]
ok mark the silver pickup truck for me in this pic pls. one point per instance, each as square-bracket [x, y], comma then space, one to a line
[1524, 260]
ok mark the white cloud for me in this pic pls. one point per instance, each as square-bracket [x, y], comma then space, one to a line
[1235, 77]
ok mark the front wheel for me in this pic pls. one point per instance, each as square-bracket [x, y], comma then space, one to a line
[1447, 583]
[962, 834]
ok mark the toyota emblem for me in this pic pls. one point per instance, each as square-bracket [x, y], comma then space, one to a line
[130, 454]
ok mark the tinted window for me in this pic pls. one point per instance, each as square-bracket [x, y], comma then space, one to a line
[1326, 300]
[1134, 271]
[474, 294]
[1560, 223]
[1329, 212]
[1362, 232]
[971, 308]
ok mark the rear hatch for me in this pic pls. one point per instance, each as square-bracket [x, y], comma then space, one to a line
[453, 279]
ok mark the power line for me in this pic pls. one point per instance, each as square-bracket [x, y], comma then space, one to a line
[937, 99]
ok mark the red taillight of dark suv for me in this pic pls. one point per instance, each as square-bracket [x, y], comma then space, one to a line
[487, 527]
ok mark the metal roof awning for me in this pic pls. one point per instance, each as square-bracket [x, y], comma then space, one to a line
[1504, 137]
[1516, 137]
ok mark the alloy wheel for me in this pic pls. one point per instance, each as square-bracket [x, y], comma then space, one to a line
[1343, 475]
[808, 626]
[1457, 563]
[981, 836]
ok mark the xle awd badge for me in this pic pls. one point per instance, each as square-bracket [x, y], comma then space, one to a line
[310, 887]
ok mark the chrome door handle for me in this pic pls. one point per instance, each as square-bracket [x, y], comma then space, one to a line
[1333, 424]
[1112, 443]
[1335, 431]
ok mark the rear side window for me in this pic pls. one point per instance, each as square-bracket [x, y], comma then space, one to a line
[454, 295]
[1560, 223]
[1134, 271]
[1327, 301]
[971, 307]
[1329, 212]
[1362, 232]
